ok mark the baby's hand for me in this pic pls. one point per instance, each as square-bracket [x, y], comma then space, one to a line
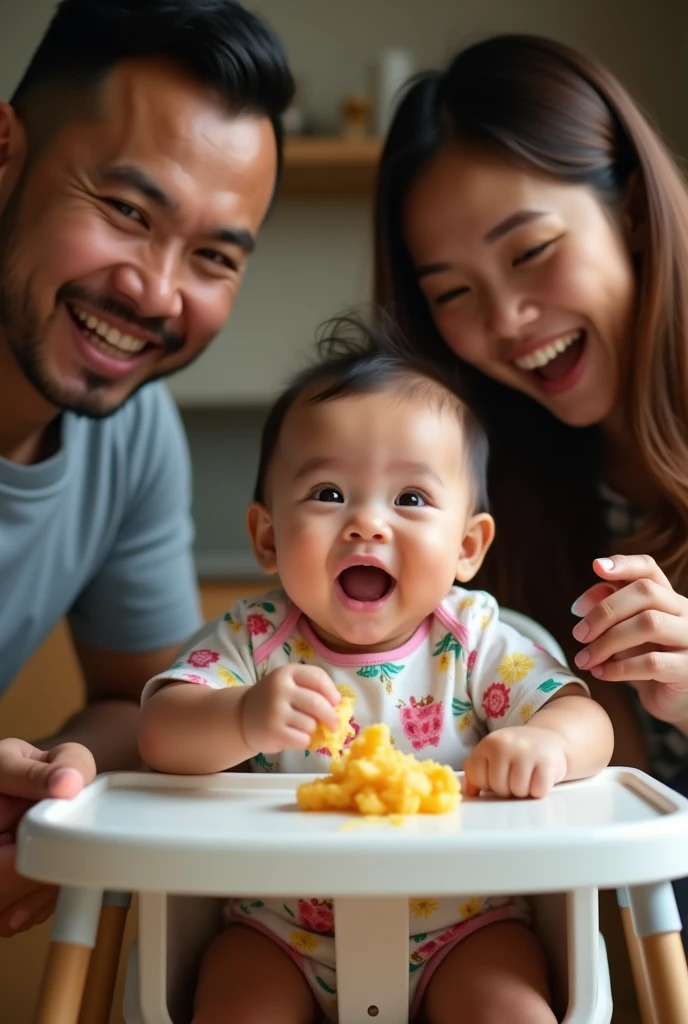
[518, 761]
[282, 710]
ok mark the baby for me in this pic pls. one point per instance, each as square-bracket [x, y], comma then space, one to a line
[370, 504]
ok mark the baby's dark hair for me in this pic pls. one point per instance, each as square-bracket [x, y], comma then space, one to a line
[357, 357]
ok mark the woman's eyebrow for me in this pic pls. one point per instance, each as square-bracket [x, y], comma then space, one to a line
[514, 220]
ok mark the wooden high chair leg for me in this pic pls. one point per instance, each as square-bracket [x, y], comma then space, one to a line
[635, 955]
[96, 1004]
[72, 938]
[657, 923]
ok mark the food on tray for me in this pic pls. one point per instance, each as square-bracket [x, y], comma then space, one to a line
[371, 777]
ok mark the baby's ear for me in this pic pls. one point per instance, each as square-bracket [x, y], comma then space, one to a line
[480, 531]
[259, 523]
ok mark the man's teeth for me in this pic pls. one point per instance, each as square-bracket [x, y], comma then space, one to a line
[125, 343]
[544, 355]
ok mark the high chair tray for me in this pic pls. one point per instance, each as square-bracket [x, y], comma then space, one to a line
[244, 833]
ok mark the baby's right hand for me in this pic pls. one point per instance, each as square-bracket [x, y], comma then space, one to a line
[281, 711]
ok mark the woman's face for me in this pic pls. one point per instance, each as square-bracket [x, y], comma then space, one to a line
[527, 278]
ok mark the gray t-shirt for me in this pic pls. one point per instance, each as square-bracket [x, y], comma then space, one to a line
[100, 532]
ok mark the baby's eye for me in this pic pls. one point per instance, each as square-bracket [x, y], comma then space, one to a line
[411, 499]
[327, 494]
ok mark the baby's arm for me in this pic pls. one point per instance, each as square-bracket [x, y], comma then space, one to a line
[571, 737]
[584, 728]
[189, 729]
[193, 729]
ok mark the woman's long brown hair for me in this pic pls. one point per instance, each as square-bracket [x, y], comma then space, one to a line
[554, 111]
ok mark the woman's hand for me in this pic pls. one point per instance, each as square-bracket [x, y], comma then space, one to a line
[635, 629]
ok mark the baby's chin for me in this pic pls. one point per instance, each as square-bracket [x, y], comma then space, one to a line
[366, 636]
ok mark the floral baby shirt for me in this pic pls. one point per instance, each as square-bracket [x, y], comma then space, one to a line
[462, 674]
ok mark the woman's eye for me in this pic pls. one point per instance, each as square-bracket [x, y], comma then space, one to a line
[411, 499]
[327, 494]
[126, 209]
[530, 254]
[453, 293]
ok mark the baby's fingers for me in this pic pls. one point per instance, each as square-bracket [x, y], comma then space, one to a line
[311, 704]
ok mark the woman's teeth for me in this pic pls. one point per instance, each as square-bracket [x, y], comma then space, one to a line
[106, 337]
[542, 356]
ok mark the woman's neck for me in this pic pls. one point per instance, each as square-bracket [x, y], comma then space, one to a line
[622, 469]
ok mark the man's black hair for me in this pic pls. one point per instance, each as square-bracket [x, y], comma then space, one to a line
[356, 358]
[217, 43]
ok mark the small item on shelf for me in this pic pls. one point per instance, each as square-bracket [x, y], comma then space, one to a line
[392, 71]
[355, 119]
[293, 118]
[373, 778]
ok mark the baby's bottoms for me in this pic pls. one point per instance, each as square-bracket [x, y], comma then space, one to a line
[305, 930]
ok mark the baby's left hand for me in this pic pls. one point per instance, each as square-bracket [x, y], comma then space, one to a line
[517, 761]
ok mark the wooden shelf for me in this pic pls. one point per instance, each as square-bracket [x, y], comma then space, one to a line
[330, 167]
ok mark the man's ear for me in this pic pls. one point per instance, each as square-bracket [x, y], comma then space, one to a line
[13, 148]
[259, 523]
[480, 531]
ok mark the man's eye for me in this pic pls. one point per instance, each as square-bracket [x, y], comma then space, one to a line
[220, 259]
[327, 494]
[411, 499]
[126, 209]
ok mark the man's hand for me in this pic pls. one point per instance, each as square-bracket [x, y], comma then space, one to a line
[28, 775]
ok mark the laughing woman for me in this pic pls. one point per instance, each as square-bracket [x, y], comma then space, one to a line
[531, 224]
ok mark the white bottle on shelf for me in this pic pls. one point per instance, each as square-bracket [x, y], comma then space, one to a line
[393, 69]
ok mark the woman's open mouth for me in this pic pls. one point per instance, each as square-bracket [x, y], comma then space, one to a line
[365, 585]
[556, 366]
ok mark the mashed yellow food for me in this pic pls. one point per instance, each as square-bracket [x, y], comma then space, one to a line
[371, 777]
[334, 741]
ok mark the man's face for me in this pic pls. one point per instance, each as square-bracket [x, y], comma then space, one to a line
[123, 246]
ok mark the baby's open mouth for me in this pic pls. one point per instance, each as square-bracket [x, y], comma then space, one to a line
[365, 582]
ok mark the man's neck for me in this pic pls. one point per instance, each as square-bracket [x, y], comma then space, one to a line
[29, 424]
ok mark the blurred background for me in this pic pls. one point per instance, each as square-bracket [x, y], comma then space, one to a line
[313, 261]
[313, 257]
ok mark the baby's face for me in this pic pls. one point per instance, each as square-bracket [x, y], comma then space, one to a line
[370, 499]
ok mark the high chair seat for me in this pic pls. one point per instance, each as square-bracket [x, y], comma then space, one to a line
[183, 842]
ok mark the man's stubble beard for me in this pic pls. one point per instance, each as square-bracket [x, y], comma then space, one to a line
[21, 326]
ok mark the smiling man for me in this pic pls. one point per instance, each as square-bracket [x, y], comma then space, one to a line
[138, 159]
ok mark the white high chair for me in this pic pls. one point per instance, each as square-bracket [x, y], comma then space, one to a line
[182, 841]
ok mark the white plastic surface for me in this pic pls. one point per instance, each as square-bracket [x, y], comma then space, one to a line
[244, 834]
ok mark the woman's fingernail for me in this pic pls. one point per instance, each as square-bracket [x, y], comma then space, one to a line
[581, 630]
[19, 918]
[597, 672]
[582, 659]
[577, 607]
[606, 563]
